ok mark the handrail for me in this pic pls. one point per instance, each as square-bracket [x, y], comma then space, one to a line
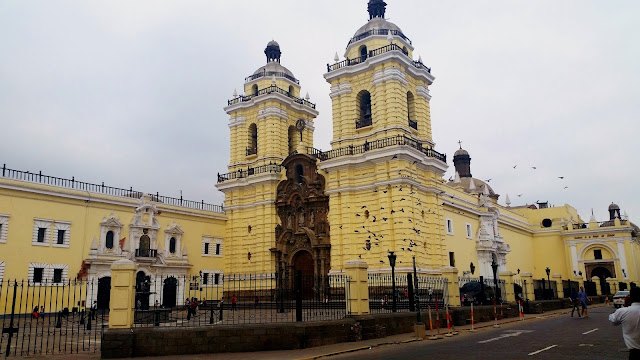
[269, 90]
[399, 140]
[373, 53]
[241, 174]
[373, 32]
[72, 183]
[271, 73]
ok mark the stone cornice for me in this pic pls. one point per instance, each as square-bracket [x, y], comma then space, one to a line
[250, 180]
[273, 111]
[270, 97]
[371, 62]
[340, 89]
[380, 77]
[382, 130]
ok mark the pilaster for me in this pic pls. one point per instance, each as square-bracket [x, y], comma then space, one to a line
[507, 276]
[121, 305]
[453, 285]
[358, 296]
[596, 280]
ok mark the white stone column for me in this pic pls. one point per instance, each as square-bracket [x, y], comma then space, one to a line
[623, 259]
[574, 258]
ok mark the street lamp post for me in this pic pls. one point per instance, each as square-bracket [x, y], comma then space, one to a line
[494, 267]
[392, 262]
[548, 271]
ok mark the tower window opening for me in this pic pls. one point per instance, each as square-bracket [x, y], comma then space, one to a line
[292, 138]
[597, 254]
[254, 89]
[290, 90]
[299, 173]
[172, 245]
[364, 109]
[411, 111]
[363, 53]
[109, 240]
[252, 149]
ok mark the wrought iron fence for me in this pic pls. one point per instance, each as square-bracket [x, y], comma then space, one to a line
[520, 289]
[74, 184]
[217, 299]
[378, 32]
[399, 140]
[481, 290]
[270, 74]
[568, 287]
[240, 174]
[590, 288]
[50, 318]
[271, 90]
[544, 289]
[373, 53]
[431, 290]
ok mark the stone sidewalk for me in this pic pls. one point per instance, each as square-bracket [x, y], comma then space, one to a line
[328, 350]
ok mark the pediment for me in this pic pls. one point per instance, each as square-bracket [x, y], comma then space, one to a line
[111, 221]
[174, 229]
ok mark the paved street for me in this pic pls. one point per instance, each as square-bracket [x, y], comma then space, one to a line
[559, 337]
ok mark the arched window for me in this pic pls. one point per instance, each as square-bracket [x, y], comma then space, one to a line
[299, 173]
[364, 109]
[255, 89]
[290, 90]
[172, 245]
[363, 53]
[292, 138]
[405, 51]
[411, 110]
[109, 242]
[252, 149]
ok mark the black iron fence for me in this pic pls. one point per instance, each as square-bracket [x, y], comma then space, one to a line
[383, 292]
[378, 32]
[590, 288]
[481, 291]
[569, 287]
[49, 318]
[217, 299]
[273, 89]
[520, 288]
[241, 174]
[270, 74]
[374, 53]
[399, 140]
[74, 184]
[544, 289]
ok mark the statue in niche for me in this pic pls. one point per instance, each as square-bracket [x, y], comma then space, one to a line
[300, 218]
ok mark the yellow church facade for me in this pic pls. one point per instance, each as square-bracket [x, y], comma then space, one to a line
[292, 207]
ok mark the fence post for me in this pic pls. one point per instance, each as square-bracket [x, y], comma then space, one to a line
[121, 304]
[596, 280]
[509, 295]
[298, 287]
[358, 300]
[528, 290]
[412, 300]
[453, 285]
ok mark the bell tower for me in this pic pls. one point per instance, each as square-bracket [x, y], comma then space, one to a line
[383, 172]
[267, 123]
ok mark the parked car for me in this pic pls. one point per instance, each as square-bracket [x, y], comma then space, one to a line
[618, 298]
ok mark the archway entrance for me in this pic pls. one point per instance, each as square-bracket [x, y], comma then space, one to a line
[303, 262]
[603, 273]
[170, 292]
[104, 293]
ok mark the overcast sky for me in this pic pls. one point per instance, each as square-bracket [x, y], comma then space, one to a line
[132, 92]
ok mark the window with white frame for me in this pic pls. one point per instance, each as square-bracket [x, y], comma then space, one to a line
[1, 271]
[211, 278]
[449, 227]
[61, 233]
[469, 236]
[206, 245]
[110, 233]
[4, 228]
[217, 247]
[41, 232]
[48, 274]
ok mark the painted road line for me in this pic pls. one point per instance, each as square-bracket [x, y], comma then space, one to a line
[510, 333]
[590, 331]
[541, 350]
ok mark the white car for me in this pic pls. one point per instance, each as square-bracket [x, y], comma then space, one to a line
[618, 298]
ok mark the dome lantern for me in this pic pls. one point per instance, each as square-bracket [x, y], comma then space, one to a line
[614, 211]
[376, 8]
[273, 51]
[462, 162]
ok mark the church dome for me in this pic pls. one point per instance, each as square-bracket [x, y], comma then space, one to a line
[273, 66]
[614, 207]
[465, 182]
[461, 151]
[376, 24]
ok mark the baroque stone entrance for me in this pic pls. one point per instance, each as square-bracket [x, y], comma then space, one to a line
[302, 207]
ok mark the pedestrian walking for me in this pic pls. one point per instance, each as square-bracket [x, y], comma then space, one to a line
[582, 296]
[574, 302]
[234, 300]
[629, 318]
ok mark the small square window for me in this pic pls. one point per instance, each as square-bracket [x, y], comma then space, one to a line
[597, 254]
[60, 237]
[206, 248]
[216, 279]
[57, 276]
[37, 275]
[205, 279]
[41, 232]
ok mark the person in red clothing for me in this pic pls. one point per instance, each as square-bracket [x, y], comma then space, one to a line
[233, 302]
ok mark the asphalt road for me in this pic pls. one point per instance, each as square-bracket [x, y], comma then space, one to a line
[557, 337]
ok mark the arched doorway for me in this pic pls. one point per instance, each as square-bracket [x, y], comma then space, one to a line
[170, 292]
[143, 290]
[104, 293]
[144, 246]
[602, 273]
[303, 262]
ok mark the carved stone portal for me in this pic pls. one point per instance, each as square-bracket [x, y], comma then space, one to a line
[302, 237]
